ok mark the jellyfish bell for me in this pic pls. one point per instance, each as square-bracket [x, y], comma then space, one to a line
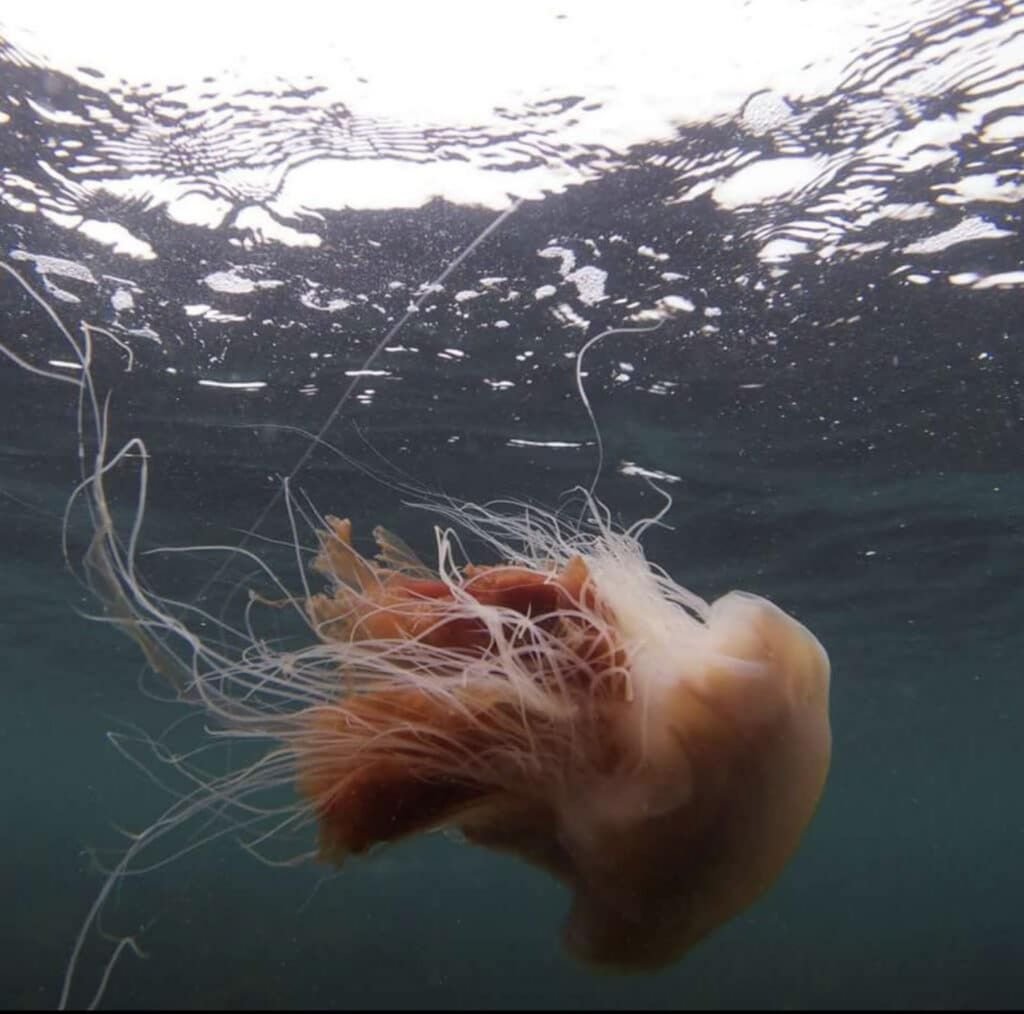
[577, 708]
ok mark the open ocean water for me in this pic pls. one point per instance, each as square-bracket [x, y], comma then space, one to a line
[819, 205]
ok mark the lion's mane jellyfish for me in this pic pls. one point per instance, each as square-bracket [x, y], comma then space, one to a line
[573, 706]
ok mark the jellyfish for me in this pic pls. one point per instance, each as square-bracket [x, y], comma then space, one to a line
[564, 701]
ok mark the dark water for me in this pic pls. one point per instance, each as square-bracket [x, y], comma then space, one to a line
[834, 400]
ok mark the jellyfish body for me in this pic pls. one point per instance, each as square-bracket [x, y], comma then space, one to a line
[660, 756]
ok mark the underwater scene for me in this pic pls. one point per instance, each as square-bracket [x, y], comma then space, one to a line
[509, 511]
